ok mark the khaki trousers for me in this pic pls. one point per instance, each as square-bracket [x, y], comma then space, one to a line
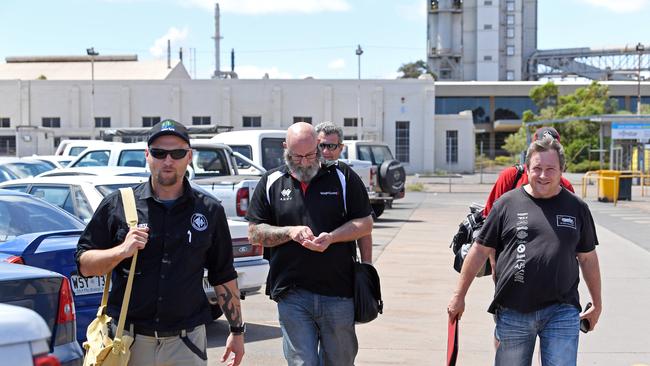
[167, 351]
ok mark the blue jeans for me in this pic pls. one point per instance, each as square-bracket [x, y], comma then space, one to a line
[557, 326]
[317, 330]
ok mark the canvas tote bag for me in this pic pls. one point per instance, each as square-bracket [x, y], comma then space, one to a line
[100, 349]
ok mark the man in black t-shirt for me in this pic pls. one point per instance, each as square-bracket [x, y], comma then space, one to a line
[307, 216]
[537, 232]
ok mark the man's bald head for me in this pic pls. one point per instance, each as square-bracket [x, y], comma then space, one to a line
[301, 134]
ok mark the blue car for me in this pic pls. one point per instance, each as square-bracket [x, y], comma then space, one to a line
[48, 294]
[36, 233]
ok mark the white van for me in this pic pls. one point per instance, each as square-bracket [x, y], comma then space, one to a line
[76, 147]
[264, 147]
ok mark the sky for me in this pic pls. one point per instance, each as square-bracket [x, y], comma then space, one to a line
[286, 38]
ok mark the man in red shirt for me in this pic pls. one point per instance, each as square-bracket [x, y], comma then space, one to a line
[507, 177]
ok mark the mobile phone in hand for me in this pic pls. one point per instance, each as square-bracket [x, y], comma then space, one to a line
[584, 323]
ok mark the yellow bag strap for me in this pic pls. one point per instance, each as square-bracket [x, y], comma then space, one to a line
[128, 201]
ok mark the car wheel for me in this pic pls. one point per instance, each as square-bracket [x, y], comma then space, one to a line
[392, 177]
[216, 311]
[378, 208]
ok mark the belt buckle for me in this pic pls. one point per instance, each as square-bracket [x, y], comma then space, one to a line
[155, 334]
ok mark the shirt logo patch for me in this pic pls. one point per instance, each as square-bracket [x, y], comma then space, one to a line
[285, 194]
[522, 234]
[566, 221]
[329, 193]
[199, 222]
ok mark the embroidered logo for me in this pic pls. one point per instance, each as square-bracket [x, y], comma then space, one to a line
[285, 194]
[199, 222]
[566, 221]
[329, 193]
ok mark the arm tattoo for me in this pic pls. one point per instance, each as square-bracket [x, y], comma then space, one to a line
[230, 304]
[269, 236]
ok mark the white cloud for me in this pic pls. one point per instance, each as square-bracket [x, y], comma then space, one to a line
[337, 64]
[619, 6]
[255, 7]
[414, 10]
[256, 72]
[174, 34]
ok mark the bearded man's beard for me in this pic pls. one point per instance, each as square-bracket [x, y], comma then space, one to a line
[303, 173]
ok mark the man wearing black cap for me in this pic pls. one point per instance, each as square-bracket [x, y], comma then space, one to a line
[181, 231]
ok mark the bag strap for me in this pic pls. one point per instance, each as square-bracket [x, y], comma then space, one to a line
[128, 201]
[520, 172]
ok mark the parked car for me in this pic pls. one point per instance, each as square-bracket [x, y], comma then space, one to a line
[48, 294]
[79, 195]
[25, 338]
[212, 167]
[76, 147]
[388, 173]
[55, 161]
[14, 168]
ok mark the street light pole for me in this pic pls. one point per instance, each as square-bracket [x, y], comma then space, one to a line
[359, 52]
[639, 50]
[91, 52]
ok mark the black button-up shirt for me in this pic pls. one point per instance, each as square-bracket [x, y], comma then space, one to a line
[334, 196]
[191, 235]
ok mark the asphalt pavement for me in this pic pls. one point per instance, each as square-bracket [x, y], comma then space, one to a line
[414, 260]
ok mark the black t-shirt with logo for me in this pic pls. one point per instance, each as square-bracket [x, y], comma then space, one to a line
[536, 242]
[334, 196]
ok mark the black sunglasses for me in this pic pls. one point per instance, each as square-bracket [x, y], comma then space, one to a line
[160, 154]
[324, 146]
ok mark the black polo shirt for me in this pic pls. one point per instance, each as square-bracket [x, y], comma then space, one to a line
[167, 291]
[334, 196]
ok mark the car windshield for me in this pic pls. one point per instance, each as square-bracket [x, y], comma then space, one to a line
[381, 154]
[245, 150]
[106, 189]
[21, 214]
[27, 169]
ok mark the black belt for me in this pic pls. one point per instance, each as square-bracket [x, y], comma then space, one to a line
[158, 333]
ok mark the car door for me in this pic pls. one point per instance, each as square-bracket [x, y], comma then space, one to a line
[67, 196]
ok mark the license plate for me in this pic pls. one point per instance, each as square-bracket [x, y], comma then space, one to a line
[87, 285]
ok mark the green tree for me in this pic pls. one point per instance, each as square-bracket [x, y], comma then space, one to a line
[413, 70]
[577, 136]
[516, 142]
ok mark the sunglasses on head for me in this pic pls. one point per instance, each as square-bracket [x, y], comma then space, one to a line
[176, 154]
[324, 146]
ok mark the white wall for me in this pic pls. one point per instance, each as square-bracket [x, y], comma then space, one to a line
[463, 123]
[383, 103]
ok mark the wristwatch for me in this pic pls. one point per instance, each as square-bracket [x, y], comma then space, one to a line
[238, 330]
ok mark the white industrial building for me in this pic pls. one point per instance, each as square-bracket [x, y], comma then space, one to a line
[482, 40]
[36, 114]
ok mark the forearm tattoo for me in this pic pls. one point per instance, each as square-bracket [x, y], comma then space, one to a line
[230, 305]
[267, 235]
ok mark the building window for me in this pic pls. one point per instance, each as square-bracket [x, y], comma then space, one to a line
[510, 19]
[487, 3]
[487, 26]
[53, 122]
[510, 75]
[510, 32]
[297, 119]
[487, 58]
[150, 121]
[7, 146]
[349, 122]
[251, 121]
[103, 122]
[4, 123]
[402, 129]
[510, 5]
[451, 144]
[510, 50]
[480, 107]
[201, 120]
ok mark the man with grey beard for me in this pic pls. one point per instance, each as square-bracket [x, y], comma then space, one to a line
[307, 215]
